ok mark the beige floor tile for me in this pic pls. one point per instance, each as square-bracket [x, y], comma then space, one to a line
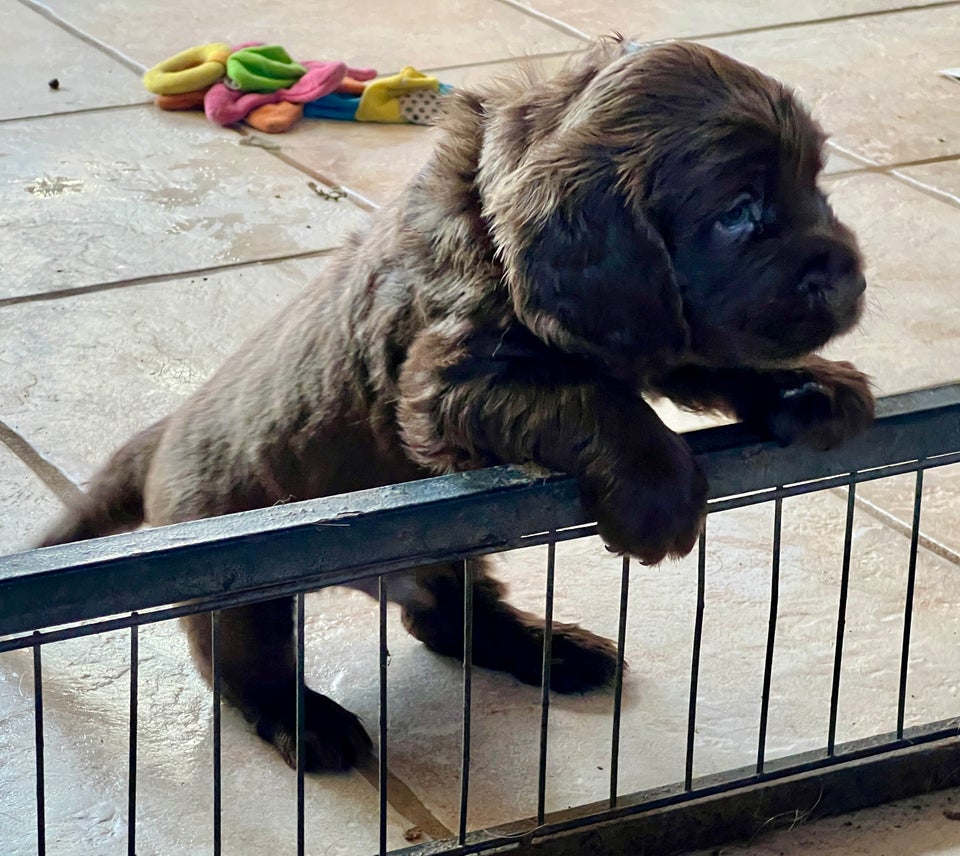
[82, 374]
[86, 716]
[384, 35]
[37, 51]
[942, 179]
[910, 333]
[940, 505]
[873, 82]
[376, 161]
[148, 193]
[840, 163]
[662, 19]
[24, 502]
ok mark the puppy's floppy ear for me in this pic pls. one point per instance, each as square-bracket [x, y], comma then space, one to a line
[560, 173]
[592, 275]
[596, 277]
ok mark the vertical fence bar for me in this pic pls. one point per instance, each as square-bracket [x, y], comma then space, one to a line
[467, 691]
[545, 681]
[771, 632]
[695, 664]
[841, 618]
[618, 682]
[908, 605]
[382, 760]
[301, 721]
[38, 744]
[215, 685]
[132, 754]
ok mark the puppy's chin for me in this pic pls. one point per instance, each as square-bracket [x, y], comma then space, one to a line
[768, 340]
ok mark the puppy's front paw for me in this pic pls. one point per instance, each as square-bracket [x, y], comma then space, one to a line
[824, 408]
[656, 508]
[333, 737]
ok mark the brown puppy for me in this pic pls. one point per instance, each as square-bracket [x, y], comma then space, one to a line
[647, 221]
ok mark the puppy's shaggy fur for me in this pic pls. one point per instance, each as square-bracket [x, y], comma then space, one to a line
[648, 221]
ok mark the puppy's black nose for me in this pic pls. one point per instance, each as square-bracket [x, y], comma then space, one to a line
[856, 284]
[832, 275]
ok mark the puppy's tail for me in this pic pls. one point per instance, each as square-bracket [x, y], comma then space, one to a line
[114, 500]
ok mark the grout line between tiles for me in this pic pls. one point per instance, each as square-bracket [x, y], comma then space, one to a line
[45, 11]
[927, 189]
[58, 483]
[851, 155]
[159, 277]
[405, 802]
[921, 162]
[846, 173]
[829, 19]
[57, 114]
[867, 165]
[899, 526]
[255, 141]
[892, 171]
[543, 17]
[439, 69]
[743, 31]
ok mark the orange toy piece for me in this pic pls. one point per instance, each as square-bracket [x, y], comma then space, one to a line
[275, 118]
[349, 86]
[183, 101]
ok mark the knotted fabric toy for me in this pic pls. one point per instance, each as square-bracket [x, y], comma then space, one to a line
[262, 85]
[226, 105]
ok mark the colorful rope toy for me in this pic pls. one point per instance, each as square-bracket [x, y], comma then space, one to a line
[189, 71]
[261, 85]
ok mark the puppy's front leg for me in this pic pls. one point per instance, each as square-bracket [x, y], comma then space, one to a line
[819, 403]
[469, 401]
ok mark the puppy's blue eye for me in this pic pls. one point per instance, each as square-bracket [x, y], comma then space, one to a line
[742, 216]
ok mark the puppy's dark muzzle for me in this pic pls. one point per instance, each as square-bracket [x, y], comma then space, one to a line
[833, 277]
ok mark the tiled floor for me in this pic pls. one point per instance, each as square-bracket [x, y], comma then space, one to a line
[138, 248]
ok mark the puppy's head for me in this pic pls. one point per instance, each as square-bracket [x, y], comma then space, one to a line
[662, 204]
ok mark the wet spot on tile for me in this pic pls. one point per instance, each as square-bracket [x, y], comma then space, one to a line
[56, 185]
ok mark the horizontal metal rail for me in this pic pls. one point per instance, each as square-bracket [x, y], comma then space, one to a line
[736, 803]
[345, 538]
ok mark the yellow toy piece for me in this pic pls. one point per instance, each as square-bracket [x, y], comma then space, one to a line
[380, 101]
[190, 70]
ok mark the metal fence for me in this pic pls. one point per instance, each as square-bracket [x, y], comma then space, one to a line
[130, 580]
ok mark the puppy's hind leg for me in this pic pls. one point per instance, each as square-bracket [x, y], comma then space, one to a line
[257, 663]
[504, 638]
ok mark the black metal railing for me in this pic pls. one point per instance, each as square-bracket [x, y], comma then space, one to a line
[129, 580]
